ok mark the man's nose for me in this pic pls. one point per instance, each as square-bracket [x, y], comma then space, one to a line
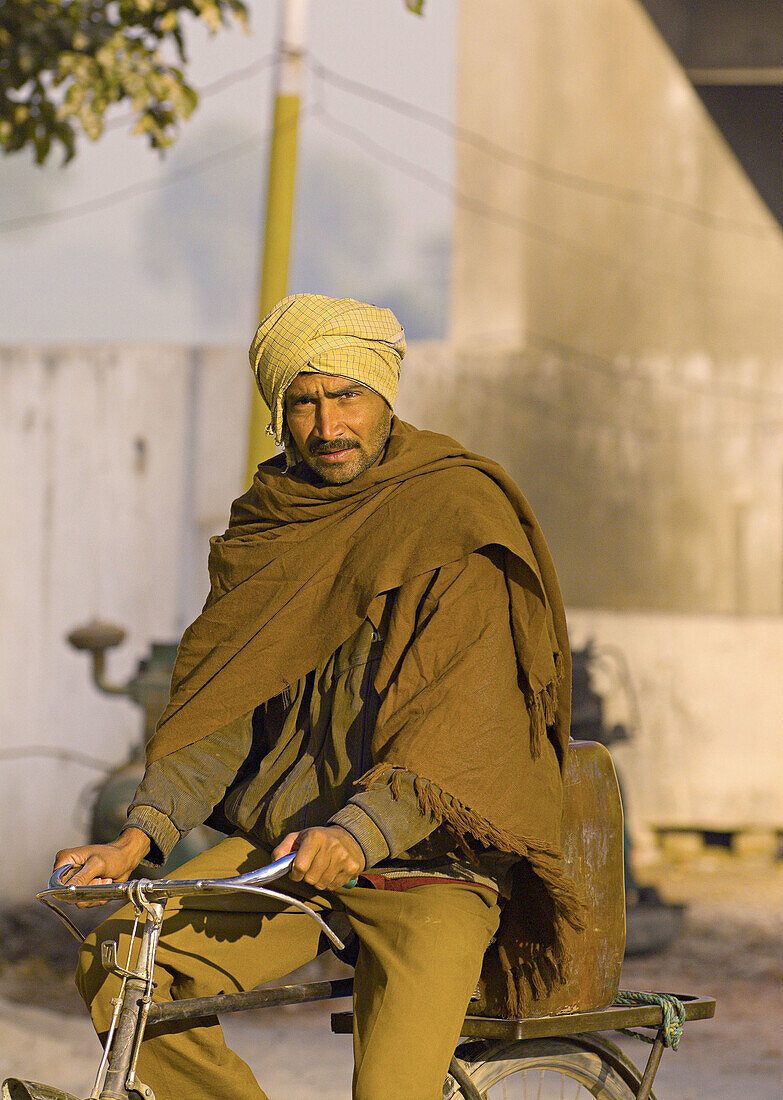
[327, 421]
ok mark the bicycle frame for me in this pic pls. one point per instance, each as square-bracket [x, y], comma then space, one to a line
[134, 1009]
[116, 1077]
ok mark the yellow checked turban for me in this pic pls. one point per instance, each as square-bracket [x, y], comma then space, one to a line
[309, 332]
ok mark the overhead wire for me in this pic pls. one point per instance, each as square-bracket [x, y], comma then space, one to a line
[464, 134]
[550, 173]
[132, 190]
[68, 756]
[529, 228]
[323, 75]
[236, 76]
[417, 171]
[666, 204]
[221, 156]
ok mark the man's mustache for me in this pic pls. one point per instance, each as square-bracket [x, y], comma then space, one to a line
[327, 446]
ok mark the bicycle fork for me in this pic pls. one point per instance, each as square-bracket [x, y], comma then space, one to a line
[116, 1077]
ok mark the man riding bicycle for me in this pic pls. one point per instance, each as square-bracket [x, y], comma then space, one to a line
[379, 682]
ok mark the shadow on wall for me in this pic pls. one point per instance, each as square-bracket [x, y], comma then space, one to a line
[652, 496]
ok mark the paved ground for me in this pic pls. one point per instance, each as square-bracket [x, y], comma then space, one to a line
[731, 947]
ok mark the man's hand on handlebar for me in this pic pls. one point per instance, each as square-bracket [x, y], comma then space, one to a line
[104, 863]
[326, 856]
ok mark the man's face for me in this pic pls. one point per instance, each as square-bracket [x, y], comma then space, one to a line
[338, 426]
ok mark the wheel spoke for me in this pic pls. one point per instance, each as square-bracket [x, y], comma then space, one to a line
[548, 1069]
[542, 1084]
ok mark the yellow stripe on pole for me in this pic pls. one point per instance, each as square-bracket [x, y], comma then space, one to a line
[277, 253]
[280, 203]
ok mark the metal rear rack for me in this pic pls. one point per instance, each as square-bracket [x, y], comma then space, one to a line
[612, 1018]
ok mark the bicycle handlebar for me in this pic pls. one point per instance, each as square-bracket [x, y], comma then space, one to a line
[253, 882]
[165, 888]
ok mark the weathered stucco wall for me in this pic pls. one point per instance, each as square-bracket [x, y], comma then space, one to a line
[649, 500]
[617, 303]
[116, 463]
[702, 698]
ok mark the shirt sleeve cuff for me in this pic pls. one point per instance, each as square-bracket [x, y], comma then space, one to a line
[162, 832]
[364, 831]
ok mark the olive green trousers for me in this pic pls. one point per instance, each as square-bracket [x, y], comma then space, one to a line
[419, 960]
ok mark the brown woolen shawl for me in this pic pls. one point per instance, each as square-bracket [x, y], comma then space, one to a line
[295, 575]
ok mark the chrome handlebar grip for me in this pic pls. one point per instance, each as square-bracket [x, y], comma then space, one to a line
[166, 888]
[252, 882]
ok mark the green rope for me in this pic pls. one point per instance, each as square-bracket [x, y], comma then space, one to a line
[673, 1015]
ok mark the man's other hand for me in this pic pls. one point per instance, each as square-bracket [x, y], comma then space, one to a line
[101, 864]
[326, 856]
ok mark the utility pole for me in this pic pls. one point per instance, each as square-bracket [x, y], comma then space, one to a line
[289, 80]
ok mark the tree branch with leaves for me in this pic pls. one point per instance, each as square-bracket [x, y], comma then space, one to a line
[64, 64]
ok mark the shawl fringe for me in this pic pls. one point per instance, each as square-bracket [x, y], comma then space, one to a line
[542, 707]
[531, 945]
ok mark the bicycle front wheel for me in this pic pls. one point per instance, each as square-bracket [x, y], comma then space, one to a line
[550, 1069]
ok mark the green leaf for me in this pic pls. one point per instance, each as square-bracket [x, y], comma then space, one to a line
[63, 64]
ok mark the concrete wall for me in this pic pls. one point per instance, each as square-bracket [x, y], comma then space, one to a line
[702, 696]
[647, 499]
[618, 293]
[116, 464]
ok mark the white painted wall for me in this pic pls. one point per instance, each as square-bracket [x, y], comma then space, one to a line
[116, 464]
[705, 707]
